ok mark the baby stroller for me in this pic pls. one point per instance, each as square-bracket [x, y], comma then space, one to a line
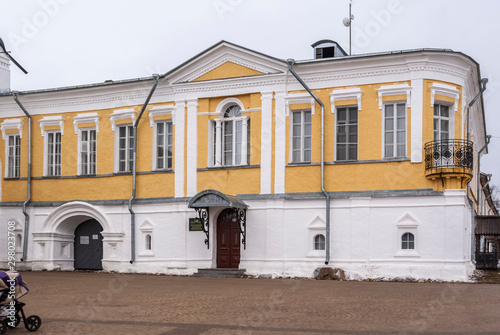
[12, 288]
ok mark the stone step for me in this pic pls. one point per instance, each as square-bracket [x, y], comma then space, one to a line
[220, 273]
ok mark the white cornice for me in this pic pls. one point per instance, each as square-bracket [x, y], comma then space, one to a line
[446, 90]
[354, 93]
[12, 124]
[49, 121]
[121, 114]
[86, 118]
[161, 110]
[394, 90]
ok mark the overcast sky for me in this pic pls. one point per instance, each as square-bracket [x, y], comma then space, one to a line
[74, 42]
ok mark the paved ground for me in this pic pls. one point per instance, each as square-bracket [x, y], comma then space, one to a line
[99, 303]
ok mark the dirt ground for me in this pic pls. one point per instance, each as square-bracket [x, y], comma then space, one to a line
[102, 303]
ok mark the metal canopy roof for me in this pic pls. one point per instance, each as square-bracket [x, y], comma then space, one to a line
[213, 198]
[487, 225]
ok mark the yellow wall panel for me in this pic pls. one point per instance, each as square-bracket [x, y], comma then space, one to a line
[228, 70]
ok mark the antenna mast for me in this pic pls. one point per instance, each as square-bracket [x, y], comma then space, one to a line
[347, 22]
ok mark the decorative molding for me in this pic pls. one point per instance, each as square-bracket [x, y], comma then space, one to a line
[394, 90]
[49, 121]
[222, 106]
[318, 223]
[299, 98]
[86, 118]
[354, 93]
[161, 110]
[147, 226]
[12, 124]
[121, 114]
[446, 90]
[407, 220]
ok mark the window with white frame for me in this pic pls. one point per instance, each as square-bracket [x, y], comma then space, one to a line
[125, 148]
[87, 151]
[301, 136]
[408, 241]
[13, 153]
[163, 145]
[319, 242]
[347, 134]
[394, 130]
[52, 153]
[441, 122]
[231, 138]
[148, 242]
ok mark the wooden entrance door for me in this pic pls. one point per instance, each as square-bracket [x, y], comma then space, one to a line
[228, 241]
[88, 246]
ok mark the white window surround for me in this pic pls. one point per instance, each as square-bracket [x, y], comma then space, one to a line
[79, 151]
[12, 156]
[388, 90]
[121, 114]
[12, 124]
[161, 110]
[86, 118]
[395, 103]
[407, 223]
[299, 98]
[146, 228]
[346, 94]
[49, 121]
[216, 125]
[117, 149]
[446, 90]
[46, 154]
[155, 143]
[302, 149]
[317, 226]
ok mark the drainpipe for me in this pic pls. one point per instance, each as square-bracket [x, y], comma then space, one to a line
[327, 195]
[134, 169]
[484, 81]
[488, 138]
[28, 198]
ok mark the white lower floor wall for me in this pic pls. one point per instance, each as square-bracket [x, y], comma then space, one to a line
[409, 234]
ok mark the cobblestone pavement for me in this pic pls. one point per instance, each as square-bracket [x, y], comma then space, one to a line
[103, 303]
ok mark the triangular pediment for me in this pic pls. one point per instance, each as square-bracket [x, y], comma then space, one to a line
[407, 219]
[226, 60]
[147, 225]
[317, 223]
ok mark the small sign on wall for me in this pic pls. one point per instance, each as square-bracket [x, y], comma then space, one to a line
[84, 239]
[195, 224]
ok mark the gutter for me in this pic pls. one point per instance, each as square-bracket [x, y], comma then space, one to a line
[327, 195]
[28, 198]
[484, 81]
[134, 169]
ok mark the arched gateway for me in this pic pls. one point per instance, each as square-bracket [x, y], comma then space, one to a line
[76, 235]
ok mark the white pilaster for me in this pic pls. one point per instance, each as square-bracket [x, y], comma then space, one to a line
[280, 143]
[244, 139]
[180, 110]
[192, 146]
[417, 119]
[4, 73]
[218, 142]
[266, 142]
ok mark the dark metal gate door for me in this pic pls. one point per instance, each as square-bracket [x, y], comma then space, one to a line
[88, 246]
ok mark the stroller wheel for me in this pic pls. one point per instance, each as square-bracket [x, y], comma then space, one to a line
[32, 323]
[16, 323]
[3, 326]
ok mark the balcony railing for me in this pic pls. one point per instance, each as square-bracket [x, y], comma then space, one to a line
[448, 154]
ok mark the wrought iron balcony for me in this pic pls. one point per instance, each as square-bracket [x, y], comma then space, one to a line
[449, 156]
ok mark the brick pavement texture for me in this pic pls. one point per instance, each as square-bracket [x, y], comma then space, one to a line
[77, 303]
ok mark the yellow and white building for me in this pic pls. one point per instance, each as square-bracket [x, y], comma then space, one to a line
[232, 137]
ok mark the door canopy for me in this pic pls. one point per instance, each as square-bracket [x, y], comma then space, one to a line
[212, 198]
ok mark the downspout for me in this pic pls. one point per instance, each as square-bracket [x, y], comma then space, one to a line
[327, 195]
[484, 81]
[134, 169]
[488, 138]
[28, 198]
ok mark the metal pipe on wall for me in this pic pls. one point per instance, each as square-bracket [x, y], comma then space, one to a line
[134, 169]
[28, 197]
[327, 195]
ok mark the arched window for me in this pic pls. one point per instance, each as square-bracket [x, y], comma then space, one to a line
[408, 241]
[319, 242]
[147, 244]
[231, 138]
